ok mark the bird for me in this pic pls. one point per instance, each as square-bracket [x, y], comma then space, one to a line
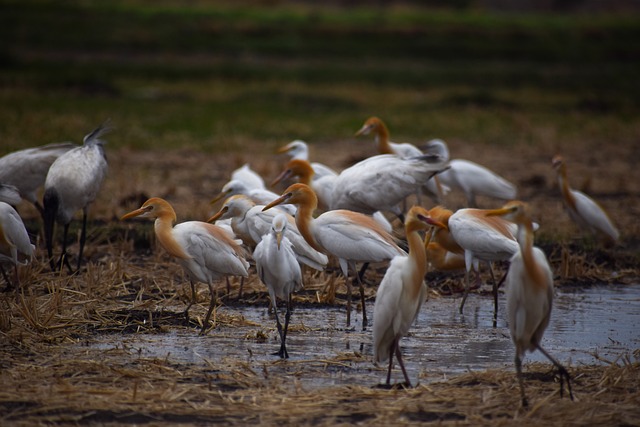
[471, 178]
[258, 195]
[15, 246]
[349, 236]
[303, 170]
[432, 187]
[251, 224]
[72, 183]
[248, 177]
[323, 187]
[479, 238]
[382, 182]
[27, 169]
[206, 252]
[529, 293]
[582, 209]
[298, 149]
[401, 294]
[279, 270]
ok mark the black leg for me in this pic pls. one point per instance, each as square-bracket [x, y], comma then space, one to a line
[214, 300]
[193, 300]
[64, 258]
[348, 283]
[360, 276]
[391, 351]
[518, 363]
[562, 372]
[401, 363]
[83, 236]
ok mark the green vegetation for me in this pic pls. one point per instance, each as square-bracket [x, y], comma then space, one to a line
[213, 76]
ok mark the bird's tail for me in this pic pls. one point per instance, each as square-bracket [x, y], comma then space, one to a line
[95, 134]
[50, 201]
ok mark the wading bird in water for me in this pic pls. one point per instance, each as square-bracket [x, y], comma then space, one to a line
[15, 246]
[582, 209]
[349, 236]
[72, 184]
[205, 251]
[481, 238]
[529, 293]
[279, 270]
[401, 294]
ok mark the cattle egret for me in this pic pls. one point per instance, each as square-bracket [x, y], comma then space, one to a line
[279, 270]
[471, 178]
[529, 293]
[582, 209]
[401, 294]
[205, 251]
[349, 236]
[298, 150]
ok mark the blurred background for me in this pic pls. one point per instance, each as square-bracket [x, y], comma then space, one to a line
[507, 84]
[216, 75]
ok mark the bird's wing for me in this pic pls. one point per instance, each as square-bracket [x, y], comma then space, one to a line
[341, 234]
[480, 237]
[211, 247]
[594, 215]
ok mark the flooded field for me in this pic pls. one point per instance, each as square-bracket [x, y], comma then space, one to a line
[590, 325]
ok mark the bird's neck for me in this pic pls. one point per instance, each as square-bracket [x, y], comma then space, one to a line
[563, 183]
[417, 260]
[525, 241]
[304, 222]
[164, 233]
[382, 139]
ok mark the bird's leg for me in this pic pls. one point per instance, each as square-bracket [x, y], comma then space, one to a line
[226, 278]
[360, 276]
[391, 351]
[241, 286]
[193, 300]
[495, 296]
[466, 290]
[518, 363]
[83, 236]
[348, 283]
[562, 372]
[287, 317]
[401, 363]
[64, 258]
[283, 350]
[214, 300]
[49, 218]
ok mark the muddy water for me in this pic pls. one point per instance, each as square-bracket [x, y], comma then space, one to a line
[585, 322]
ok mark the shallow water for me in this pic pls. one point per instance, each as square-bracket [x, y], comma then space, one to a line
[442, 342]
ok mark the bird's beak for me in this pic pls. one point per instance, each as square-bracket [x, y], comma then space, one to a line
[280, 200]
[499, 212]
[137, 212]
[219, 214]
[283, 149]
[364, 130]
[431, 221]
[283, 175]
[279, 238]
[218, 197]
